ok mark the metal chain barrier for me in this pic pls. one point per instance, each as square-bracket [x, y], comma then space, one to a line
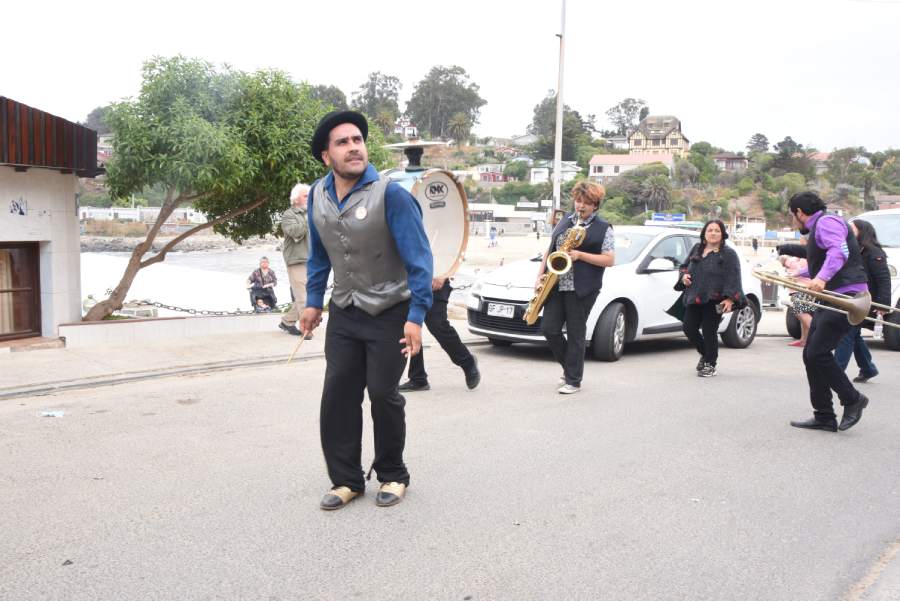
[149, 303]
[277, 309]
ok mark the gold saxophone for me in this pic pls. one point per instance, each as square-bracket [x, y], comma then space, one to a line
[558, 263]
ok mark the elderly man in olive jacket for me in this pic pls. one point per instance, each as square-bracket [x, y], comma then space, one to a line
[295, 228]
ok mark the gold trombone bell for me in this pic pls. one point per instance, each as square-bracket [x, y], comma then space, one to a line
[856, 308]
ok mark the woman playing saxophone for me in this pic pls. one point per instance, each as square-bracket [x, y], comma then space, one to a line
[570, 302]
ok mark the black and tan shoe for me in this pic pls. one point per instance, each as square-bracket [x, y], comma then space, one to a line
[337, 498]
[390, 493]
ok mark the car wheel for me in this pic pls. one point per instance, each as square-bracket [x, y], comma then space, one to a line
[498, 342]
[608, 343]
[742, 328]
[793, 325]
[892, 335]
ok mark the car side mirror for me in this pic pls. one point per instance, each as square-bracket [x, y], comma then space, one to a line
[660, 264]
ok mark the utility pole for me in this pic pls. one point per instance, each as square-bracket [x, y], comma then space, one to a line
[557, 150]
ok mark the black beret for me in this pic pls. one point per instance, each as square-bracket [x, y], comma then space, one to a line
[329, 122]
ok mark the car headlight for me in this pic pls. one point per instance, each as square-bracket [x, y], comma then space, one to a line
[892, 270]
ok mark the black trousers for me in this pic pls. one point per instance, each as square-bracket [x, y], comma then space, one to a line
[822, 371]
[437, 323]
[701, 325]
[566, 308]
[362, 352]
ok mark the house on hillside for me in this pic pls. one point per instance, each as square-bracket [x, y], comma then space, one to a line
[820, 160]
[41, 158]
[491, 173]
[542, 172]
[523, 140]
[604, 167]
[659, 134]
[618, 142]
[731, 162]
[405, 128]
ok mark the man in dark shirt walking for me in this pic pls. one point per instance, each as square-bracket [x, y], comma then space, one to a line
[835, 264]
[368, 231]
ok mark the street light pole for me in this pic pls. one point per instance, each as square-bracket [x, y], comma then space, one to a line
[557, 150]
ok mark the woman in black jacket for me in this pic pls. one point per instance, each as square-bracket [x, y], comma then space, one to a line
[711, 281]
[880, 288]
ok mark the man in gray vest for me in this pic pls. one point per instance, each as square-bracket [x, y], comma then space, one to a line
[295, 250]
[370, 233]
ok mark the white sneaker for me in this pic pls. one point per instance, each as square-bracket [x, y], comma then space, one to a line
[568, 389]
[562, 381]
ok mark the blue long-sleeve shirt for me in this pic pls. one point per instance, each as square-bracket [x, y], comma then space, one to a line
[404, 219]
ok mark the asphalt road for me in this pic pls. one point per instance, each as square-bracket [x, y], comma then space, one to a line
[649, 484]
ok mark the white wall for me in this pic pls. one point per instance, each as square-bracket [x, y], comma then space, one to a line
[52, 220]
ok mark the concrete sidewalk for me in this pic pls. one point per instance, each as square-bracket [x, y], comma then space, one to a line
[48, 370]
[54, 369]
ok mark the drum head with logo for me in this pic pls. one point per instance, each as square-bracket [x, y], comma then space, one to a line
[445, 212]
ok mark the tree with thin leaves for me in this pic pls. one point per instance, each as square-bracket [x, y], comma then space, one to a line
[459, 127]
[758, 143]
[231, 144]
[656, 191]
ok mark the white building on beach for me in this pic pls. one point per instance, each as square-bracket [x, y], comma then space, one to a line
[41, 158]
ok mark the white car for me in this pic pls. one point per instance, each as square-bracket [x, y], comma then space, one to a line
[631, 305]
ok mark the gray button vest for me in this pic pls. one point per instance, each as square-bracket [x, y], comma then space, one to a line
[368, 270]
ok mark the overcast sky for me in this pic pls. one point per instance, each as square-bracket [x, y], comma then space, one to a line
[825, 72]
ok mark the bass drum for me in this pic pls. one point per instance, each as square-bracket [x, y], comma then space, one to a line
[445, 212]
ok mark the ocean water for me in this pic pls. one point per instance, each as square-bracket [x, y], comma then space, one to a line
[201, 280]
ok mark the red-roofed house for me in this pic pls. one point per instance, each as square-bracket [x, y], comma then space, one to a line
[606, 166]
[820, 159]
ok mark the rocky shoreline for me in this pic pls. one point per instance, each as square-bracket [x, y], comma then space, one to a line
[193, 244]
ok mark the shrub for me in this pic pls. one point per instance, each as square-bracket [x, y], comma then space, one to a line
[745, 186]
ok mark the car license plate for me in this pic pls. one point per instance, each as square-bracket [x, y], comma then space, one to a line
[500, 310]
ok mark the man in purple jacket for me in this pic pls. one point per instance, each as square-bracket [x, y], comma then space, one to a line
[835, 264]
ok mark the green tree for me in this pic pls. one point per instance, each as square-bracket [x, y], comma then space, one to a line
[379, 93]
[686, 174]
[843, 164]
[788, 147]
[230, 143]
[704, 148]
[745, 186]
[96, 120]
[699, 157]
[543, 125]
[624, 116]
[656, 191]
[790, 184]
[758, 143]
[459, 127]
[791, 156]
[517, 170]
[329, 96]
[441, 94]
[512, 192]
[385, 121]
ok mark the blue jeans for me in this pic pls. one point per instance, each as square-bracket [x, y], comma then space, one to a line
[853, 344]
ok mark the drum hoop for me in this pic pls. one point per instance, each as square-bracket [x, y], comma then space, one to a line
[465, 210]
